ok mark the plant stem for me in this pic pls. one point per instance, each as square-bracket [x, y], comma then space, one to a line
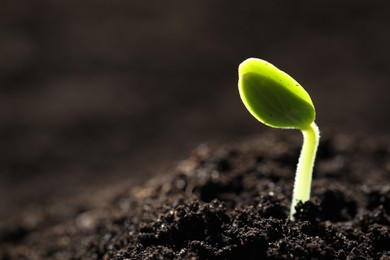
[303, 176]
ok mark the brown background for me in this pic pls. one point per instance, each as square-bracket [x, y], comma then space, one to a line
[97, 93]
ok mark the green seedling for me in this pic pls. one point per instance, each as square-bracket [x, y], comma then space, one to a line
[277, 100]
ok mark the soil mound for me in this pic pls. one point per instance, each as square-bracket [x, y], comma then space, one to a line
[232, 202]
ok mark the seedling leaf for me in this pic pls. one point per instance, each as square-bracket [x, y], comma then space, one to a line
[273, 97]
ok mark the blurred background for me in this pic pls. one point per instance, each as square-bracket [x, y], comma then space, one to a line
[96, 94]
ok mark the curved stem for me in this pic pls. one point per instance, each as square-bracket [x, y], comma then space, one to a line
[303, 176]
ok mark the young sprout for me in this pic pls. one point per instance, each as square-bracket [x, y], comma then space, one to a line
[277, 100]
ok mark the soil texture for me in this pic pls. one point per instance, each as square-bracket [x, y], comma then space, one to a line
[230, 202]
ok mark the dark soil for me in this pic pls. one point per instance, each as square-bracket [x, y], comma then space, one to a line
[232, 202]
